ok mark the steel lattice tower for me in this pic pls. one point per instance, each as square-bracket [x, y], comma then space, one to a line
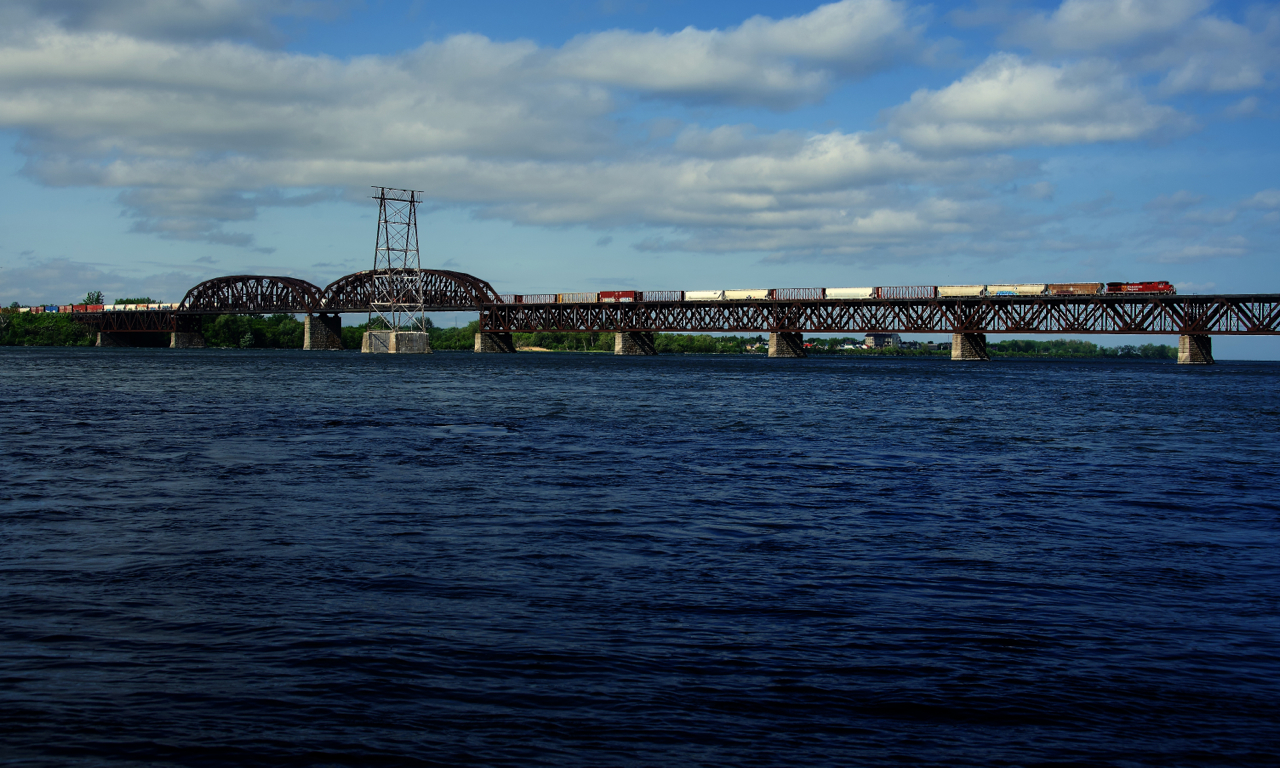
[398, 299]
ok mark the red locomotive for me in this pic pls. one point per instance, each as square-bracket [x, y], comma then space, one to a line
[1159, 286]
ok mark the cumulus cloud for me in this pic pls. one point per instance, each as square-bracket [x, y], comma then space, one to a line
[1010, 102]
[165, 19]
[1195, 49]
[777, 63]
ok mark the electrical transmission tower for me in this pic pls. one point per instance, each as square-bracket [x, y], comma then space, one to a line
[398, 300]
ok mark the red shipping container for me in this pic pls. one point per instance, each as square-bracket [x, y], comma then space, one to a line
[94, 308]
[615, 296]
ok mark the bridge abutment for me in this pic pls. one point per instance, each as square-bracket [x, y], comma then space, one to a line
[634, 343]
[786, 344]
[396, 342]
[969, 346]
[495, 342]
[1195, 349]
[322, 332]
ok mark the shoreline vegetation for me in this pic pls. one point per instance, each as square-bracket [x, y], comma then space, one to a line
[285, 332]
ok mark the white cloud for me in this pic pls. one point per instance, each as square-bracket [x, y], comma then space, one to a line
[1193, 48]
[1267, 199]
[1098, 25]
[165, 19]
[1009, 102]
[1180, 200]
[763, 61]
[1191, 254]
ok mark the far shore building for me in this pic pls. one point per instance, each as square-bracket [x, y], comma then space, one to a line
[882, 340]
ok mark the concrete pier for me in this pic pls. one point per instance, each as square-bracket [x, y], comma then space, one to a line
[495, 342]
[322, 332]
[185, 340]
[1195, 350]
[634, 343]
[969, 346]
[786, 344]
[396, 342]
[106, 339]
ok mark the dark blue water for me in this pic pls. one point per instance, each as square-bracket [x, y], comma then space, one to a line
[289, 558]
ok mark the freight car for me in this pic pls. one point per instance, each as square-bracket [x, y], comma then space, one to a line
[1158, 286]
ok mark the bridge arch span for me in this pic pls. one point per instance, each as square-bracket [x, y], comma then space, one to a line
[253, 294]
[442, 289]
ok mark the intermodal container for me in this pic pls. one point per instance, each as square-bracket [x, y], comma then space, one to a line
[93, 308]
[739, 294]
[851, 293]
[704, 295]
[577, 298]
[954, 291]
[1072, 289]
[51, 308]
[24, 309]
[907, 292]
[68, 308]
[539, 298]
[616, 296]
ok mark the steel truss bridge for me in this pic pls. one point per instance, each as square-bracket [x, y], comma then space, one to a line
[798, 311]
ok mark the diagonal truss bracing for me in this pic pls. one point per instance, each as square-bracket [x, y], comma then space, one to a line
[1217, 315]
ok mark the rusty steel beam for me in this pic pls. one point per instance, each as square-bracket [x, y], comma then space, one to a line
[1242, 315]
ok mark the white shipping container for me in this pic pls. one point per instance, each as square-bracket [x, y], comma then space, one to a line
[851, 293]
[703, 295]
[952, 291]
[747, 293]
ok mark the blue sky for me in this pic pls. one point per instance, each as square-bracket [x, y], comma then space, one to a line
[150, 144]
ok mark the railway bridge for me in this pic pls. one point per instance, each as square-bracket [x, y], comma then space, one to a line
[786, 314]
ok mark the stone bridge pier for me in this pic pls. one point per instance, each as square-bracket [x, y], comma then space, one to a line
[969, 346]
[1195, 349]
[634, 343]
[495, 342]
[786, 344]
[322, 332]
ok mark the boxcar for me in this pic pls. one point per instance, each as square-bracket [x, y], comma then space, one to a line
[907, 292]
[1156, 286]
[615, 296]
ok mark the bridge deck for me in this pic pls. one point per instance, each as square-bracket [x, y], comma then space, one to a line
[1225, 314]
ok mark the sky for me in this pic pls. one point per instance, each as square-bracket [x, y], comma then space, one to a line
[146, 145]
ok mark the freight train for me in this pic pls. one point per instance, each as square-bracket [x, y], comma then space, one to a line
[97, 307]
[1157, 287]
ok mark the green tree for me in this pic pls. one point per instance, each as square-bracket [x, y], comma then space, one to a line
[94, 297]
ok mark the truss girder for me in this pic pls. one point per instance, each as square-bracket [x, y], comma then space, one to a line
[1217, 315]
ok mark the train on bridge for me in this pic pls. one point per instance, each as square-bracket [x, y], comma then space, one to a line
[1155, 287]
